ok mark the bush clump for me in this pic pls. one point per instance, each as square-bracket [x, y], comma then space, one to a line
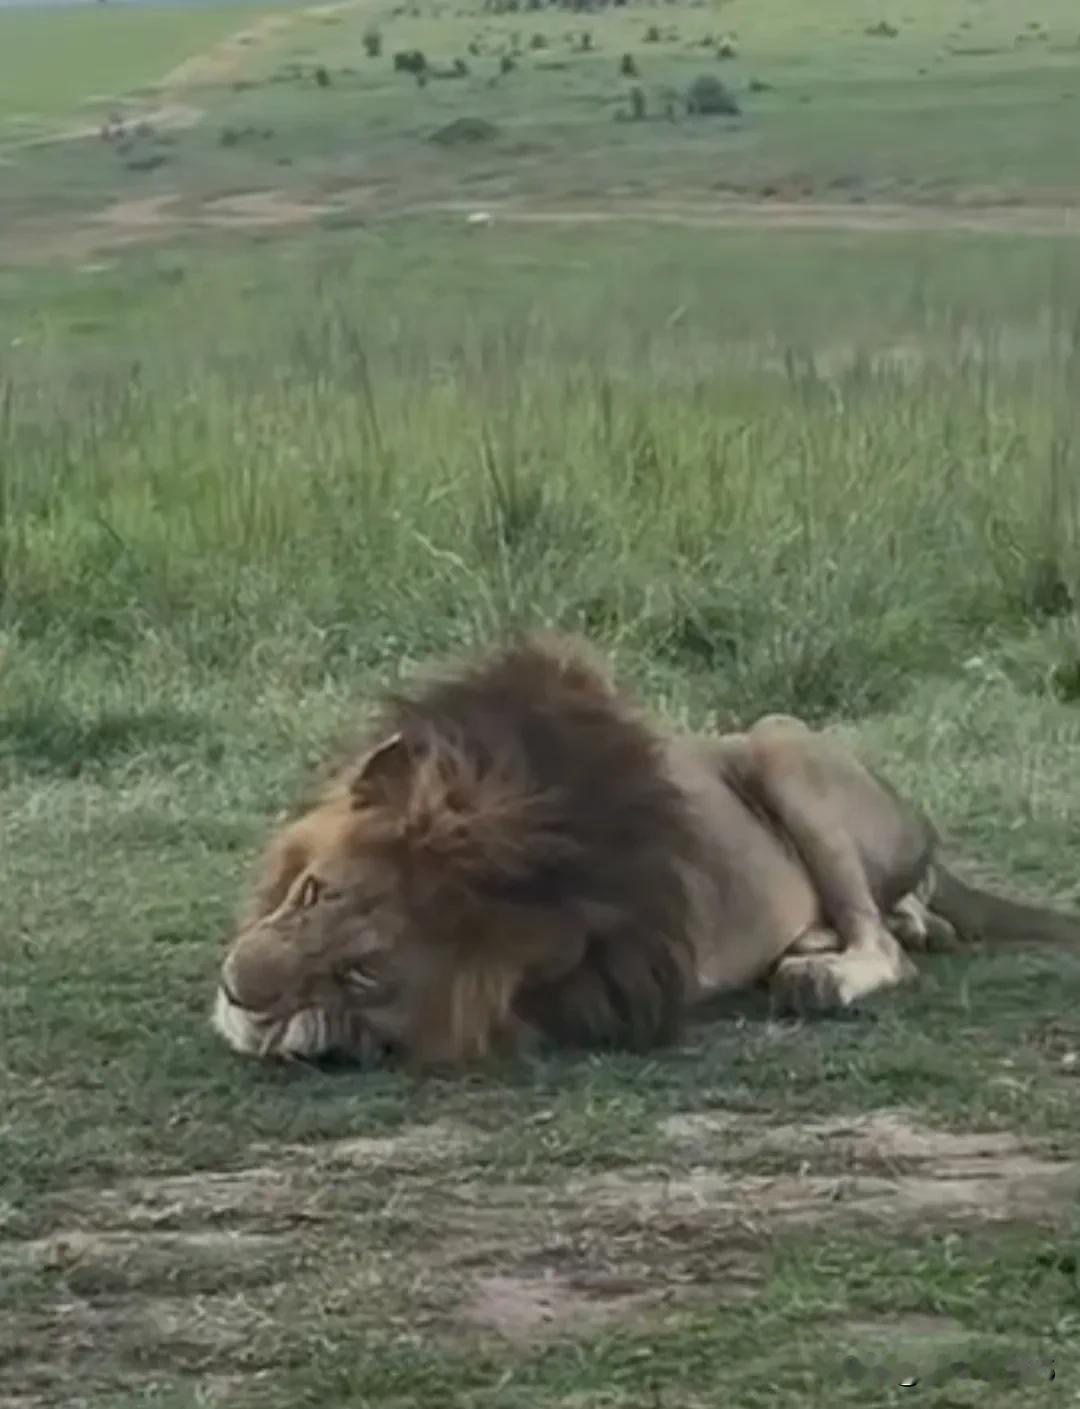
[708, 96]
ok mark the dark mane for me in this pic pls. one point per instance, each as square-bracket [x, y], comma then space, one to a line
[535, 801]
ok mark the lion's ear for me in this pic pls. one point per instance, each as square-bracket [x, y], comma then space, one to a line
[381, 772]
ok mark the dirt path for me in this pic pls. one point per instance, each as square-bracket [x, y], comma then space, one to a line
[129, 222]
[167, 117]
[215, 65]
[227, 56]
[867, 217]
[218, 1273]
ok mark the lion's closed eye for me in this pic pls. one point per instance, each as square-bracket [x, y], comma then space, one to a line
[313, 890]
[361, 980]
[310, 891]
[368, 979]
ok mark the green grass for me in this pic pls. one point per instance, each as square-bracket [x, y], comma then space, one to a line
[497, 463]
[55, 60]
[969, 103]
[246, 480]
[246, 492]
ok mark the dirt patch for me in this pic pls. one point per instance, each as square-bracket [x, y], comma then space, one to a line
[170, 117]
[887, 1167]
[287, 1191]
[145, 1206]
[153, 218]
[885, 1139]
[1024, 1189]
[259, 208]
[129, 222]
[868, 217]
[417, 1145]
[212, 1272]
[224, 59]
[142, 213]
[233, 53]
[210, 1322]
[521, 1308]
[74, 1247]
[214, 66]
[80, 1339]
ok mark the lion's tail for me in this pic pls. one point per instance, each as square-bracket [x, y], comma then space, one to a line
[977, 915]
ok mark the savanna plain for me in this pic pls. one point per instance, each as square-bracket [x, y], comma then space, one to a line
[765, 374]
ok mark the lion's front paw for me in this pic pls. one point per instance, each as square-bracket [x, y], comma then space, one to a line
[811, 983]
[828, 983]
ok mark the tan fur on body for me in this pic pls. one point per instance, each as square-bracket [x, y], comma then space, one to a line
[519, 854]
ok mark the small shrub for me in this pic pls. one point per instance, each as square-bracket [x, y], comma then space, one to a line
[465, 130]
[652, 35]
[147, 163]
[410, 61]
[627, 67]
[322, 77]
[637, 104]
[709, 97]
[373, 43]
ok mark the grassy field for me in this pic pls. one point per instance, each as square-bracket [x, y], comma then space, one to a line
[55, 61]
[967, 105]
[250, 470]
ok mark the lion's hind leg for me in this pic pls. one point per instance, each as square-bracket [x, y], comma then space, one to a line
[842, 825]
[919, 929]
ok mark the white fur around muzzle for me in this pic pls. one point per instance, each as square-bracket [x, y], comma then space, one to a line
[306, 1034]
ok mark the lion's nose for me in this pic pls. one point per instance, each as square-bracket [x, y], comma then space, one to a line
[227, 982]
[230, 994]
[262, 975]
[238, 1029]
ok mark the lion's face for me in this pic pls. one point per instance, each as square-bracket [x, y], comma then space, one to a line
[324, 972]
[512, 827]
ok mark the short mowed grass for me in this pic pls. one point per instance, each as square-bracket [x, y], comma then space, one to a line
[237, 498]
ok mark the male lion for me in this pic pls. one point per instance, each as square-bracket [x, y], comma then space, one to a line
[519, 854]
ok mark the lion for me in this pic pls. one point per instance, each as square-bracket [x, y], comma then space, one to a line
[518, 855]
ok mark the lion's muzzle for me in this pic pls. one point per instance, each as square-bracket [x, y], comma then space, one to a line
[308, 1035]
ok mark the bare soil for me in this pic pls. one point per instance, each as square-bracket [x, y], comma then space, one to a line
[205, 1268]
[162, 217]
